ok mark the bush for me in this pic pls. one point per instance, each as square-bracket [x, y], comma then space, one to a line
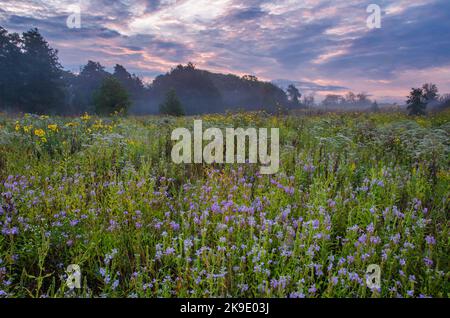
[111, 97]
[172, 105]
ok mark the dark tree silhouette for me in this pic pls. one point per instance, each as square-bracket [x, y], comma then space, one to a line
[430, 92]
[172, 105]
[415, 102]
[11, 69]
[294, 95]
[131, 82]
[86, 84]
[350, 98]
[31, 75]
[43, 90]
[111, 97]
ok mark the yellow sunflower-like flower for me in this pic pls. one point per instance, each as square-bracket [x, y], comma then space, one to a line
[39, 132]
[53, 127]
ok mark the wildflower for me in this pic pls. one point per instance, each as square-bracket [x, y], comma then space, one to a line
[334, 280]
[71, 124]
[430, 240]
[85, 117]
[27, 129]
[39, 132]
[53, 127]
[170, 251]
[115, 284]
[428, 262]
[312, 289]
[297, 295]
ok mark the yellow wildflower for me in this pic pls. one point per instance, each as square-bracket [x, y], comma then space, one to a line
[39, 132]
[17, 126]
[85, 117]
[71, 124]
[98, 124]
[27, 129]
[53, 127]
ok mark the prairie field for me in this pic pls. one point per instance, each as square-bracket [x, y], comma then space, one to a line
[353, 189]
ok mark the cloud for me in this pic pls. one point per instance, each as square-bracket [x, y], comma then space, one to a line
[308, 41]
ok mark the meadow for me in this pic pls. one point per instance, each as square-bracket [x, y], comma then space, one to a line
[353, 189]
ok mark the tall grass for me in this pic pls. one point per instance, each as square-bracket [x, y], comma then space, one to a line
[353, 189]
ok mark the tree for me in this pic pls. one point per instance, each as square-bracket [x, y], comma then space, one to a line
[11, 69]
[415, 102]
[111, 97]
[87, 83]
[250, 78]
[308, 101]
[43, 90]
[350, 98]
[363, 99]
[430, 92]
[332, 100]
[172, 105]
[294, 95]
[132, 83]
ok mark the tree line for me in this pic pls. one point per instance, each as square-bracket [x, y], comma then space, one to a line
[33, 80]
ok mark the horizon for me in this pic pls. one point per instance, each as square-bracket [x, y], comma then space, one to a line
[322, 46]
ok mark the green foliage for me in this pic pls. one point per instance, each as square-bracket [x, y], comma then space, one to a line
[111, 97]
[172, 105]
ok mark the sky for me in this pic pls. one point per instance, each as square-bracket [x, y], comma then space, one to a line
[323, 46]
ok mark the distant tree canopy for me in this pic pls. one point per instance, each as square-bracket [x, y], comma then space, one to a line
[31, 75]
[111, 97]
[350, 100]
[430, 92]
[85, 85]
[333, 100]
[427, 96]
[294, 95]
[172, 105]
[201, 91]
[416, 102]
